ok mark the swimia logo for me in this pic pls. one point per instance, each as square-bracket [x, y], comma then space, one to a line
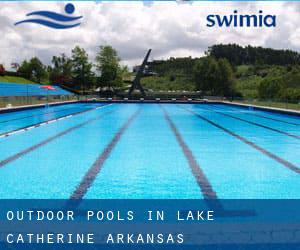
[54, 20]
[239, 20]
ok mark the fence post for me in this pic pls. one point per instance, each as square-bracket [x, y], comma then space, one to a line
[27, 94]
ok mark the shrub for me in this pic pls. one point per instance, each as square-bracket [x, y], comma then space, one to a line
[269, 88]
[290, 95]
[172, 78]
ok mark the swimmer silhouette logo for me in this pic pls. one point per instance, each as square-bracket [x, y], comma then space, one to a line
[52, 19]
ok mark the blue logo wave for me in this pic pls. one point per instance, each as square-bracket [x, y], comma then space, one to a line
[55, 20]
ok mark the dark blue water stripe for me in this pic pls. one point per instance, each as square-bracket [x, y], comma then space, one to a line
[280, 160]
[200, 177]
[47, 121]
[94, 170]
[38, 114]
[50, 139]
[205, 186]
[265, 117]
[256, 124]
[273, 119]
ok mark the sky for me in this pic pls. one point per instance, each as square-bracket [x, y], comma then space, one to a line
[171, 29]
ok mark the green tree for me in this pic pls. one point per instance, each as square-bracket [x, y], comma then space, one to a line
[33, 70]
[213, 76]
[38, 70]
[238, 55]
[270, 88]
[224, 83]
[108, 65]
[83, 76]
[25, 69]
[205, 74]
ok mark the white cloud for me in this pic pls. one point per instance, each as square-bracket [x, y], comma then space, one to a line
[170, 29]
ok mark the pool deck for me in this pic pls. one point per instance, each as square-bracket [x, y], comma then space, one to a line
[265, 108]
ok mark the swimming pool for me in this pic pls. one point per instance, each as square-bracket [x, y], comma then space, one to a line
[173, 151]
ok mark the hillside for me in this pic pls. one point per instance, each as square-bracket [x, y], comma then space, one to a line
[165, 83]
[258, 73]
[281, 83]
[172, 74]
[15, 79]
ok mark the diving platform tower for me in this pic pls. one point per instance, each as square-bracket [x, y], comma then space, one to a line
[136, 84]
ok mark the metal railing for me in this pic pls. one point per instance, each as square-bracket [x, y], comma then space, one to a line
[15, 101]
[274, 103]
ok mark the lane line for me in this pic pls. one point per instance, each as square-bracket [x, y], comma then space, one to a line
[50, 139]
[256, 124]
[201, 179]
[210, 196]
[266, 117]
[273, 119]
[38, 114]
[280, 160]
[94, 170]
[29, 127]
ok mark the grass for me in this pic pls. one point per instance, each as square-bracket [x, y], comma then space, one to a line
[15, 79]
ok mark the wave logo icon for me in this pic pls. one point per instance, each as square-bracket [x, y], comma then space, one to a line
[54, 20]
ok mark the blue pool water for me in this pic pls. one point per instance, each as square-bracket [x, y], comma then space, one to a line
[149, 151]
[17, 120]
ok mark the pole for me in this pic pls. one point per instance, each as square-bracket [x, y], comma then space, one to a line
[27, 99]
[47, 98]
[82, 76]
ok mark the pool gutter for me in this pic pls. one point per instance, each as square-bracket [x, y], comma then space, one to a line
[242, 105]
[25, 107]
[246, 106]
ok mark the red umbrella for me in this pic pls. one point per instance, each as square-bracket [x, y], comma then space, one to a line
[47, 87]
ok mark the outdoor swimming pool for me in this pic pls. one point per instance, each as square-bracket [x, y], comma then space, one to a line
[196, 151]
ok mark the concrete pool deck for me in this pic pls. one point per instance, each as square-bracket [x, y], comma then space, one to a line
[265, 108]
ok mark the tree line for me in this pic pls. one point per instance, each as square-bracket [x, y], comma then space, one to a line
[271, 73]
[76, 71]
[238, 55]
[209, 75]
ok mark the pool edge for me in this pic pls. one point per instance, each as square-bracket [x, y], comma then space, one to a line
[242, 105]
[263, 108]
